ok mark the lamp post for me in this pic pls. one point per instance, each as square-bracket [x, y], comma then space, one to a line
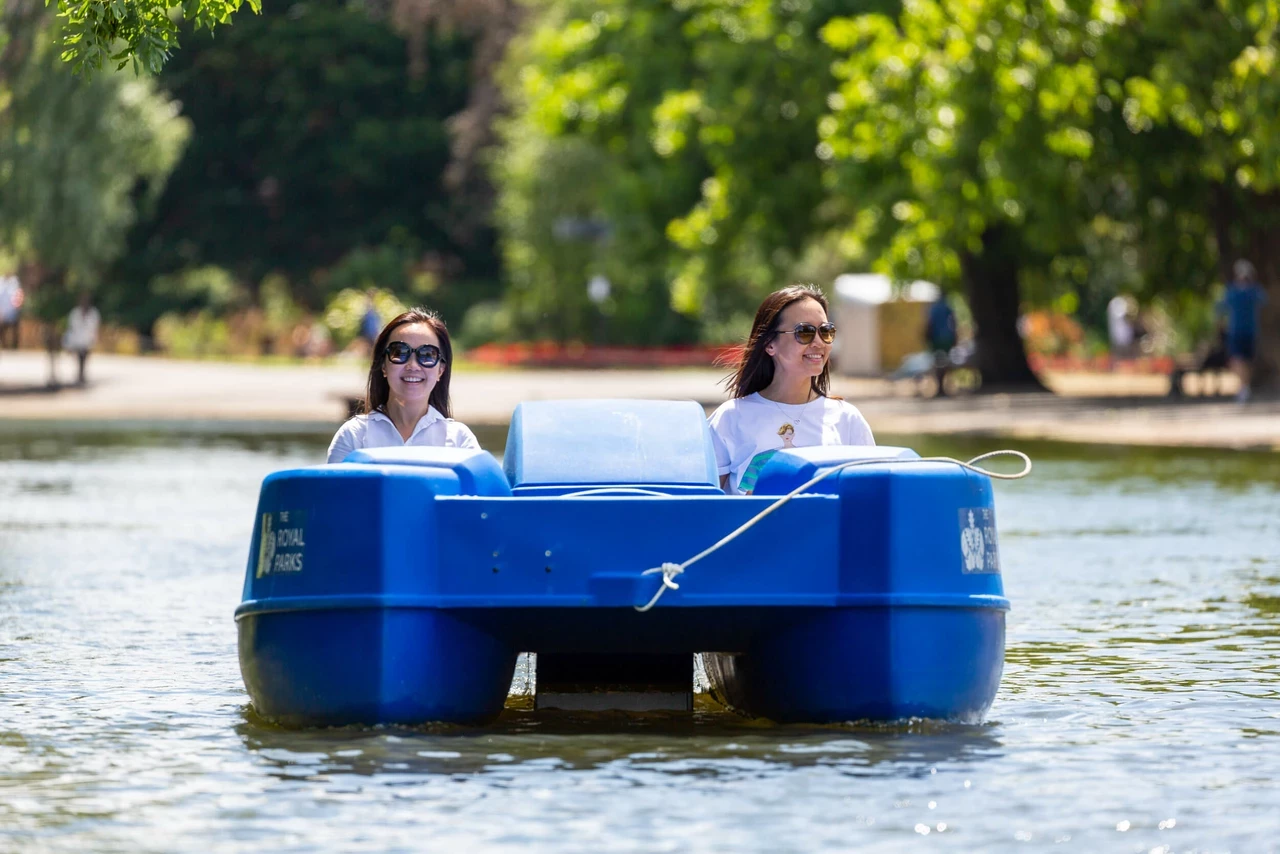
[596, 231]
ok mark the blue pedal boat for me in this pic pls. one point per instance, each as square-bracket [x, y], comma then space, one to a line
[400, 585]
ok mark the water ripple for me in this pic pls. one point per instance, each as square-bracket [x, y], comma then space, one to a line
[1139, 707]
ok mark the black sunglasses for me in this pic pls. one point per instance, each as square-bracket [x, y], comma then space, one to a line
[804, 332]
[398, 352]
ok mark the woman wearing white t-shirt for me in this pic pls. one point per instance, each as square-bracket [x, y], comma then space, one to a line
[407, 400]
[780, 390]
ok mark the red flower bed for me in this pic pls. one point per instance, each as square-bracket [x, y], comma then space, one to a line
[550, 354]
[1140, 365]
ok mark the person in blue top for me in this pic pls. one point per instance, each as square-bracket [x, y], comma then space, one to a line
[940, 326]
[1240, 304]
[939, 338]
[371, 322]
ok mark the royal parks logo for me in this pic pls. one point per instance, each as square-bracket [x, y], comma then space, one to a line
[282, 542]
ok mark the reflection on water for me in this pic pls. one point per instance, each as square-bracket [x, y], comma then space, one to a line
[673, 744]
[1139, 709]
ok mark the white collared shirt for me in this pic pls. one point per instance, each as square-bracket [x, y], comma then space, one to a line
[377, 431]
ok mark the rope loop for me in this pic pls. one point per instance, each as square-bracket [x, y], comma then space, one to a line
[671, 570]
[1004, 452]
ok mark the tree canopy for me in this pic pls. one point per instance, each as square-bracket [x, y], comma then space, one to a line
[701, 119]
[700, 152]
[319, 155]
[139, 32]
[79, 158]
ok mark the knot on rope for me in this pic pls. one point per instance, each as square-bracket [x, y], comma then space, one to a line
[669, 572]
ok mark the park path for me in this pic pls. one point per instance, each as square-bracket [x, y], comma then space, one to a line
[1106, 408]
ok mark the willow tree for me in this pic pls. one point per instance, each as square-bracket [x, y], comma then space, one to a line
[78, 158]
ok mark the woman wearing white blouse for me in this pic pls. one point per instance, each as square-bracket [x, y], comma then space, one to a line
[407, 399]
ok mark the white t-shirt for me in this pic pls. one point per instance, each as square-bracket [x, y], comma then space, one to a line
[376, 430]
[747, 431]
[82, 329]
[1118, 326]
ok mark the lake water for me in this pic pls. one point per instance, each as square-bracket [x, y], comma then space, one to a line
[1139, 711]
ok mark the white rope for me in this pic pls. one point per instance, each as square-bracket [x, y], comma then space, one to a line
[671, 570]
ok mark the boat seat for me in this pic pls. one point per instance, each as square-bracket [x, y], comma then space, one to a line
[559, 447]
[471, 472]
[618, 489]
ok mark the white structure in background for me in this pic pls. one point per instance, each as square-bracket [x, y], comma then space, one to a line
[598, 289]
[878, 327]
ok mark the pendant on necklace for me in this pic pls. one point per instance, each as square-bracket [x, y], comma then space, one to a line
[787, 432]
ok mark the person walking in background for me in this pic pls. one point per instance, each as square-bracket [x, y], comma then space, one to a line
[11, 298]
[370, 323]
[939, 338]
[1120, 328]
[940, 326]
[1240, 305]
[82, 332]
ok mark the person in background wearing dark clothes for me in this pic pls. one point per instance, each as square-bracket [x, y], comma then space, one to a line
[1240, 304]
[940, 337]
[370, 323]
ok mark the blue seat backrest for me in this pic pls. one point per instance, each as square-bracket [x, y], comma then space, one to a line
[477, 472]
[595, 443]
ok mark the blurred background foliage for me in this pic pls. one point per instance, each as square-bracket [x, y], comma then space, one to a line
[490, 158]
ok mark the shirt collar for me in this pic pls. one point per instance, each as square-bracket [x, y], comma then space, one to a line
[433, 415]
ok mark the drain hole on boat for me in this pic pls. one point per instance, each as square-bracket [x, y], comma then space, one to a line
[495, 569]
[548, 569]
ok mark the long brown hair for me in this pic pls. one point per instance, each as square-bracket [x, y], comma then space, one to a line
[754, 370]
[378, 389]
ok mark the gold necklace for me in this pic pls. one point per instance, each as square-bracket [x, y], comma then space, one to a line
[789, 418]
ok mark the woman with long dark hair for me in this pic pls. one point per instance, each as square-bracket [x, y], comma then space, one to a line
[407, 398]
[780, 390]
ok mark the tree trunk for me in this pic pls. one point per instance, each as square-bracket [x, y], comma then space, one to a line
[20, 20]
[991, 284]
[41, 283]
[1265, 255]
[1225, 213]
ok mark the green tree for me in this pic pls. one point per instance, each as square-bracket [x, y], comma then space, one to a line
[1198, 91]
[581, 188]
[78, 159]
[21, 21]
[1063, 149]
[143, 33]
[698, 121]
[966, 128]
[316, 147]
